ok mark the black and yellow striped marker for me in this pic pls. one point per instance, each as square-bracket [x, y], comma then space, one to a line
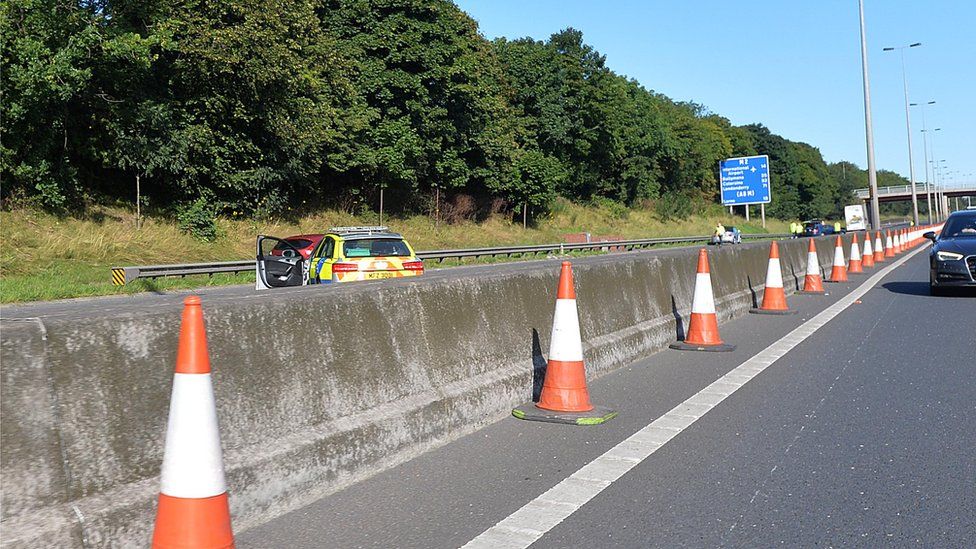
[118, 277]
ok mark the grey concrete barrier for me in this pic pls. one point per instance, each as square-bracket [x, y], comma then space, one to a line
[318, 388]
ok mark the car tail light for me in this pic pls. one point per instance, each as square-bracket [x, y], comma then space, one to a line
[345, 267]
[414, 265]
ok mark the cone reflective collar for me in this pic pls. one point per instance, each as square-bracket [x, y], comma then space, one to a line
[867, 259]
[565, 397]
[812, 282]
[193, 508]
[879, 254]
[855, 264]
[838, 273]
[702, 334]
[774, 297]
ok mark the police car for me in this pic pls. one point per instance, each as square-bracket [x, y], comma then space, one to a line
[345, 254]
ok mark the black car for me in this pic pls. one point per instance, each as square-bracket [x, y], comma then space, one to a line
[952, 258]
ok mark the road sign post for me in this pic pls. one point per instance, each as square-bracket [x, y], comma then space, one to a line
[744, 181]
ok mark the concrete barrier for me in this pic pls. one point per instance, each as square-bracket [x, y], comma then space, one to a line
[317, 388]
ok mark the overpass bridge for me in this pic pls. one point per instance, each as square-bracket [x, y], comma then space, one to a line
[904, 192]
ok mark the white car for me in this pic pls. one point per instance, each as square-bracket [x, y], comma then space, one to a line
[730, 236]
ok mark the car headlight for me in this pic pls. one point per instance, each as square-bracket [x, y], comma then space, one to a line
[948, 256]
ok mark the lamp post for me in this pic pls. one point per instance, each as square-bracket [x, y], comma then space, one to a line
[908, 124]
[868, 132]
[925, 163]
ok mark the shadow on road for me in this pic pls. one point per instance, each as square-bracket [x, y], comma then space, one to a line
[922, 288]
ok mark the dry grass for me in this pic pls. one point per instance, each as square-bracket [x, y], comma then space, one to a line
[46, 257]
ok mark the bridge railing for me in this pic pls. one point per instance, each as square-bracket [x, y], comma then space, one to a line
[919, 189]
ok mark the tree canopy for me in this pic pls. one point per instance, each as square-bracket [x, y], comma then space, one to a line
[251, 106]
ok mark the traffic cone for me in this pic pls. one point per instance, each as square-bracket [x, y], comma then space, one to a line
[564, 397]
[193, 509]
[702, 334]
[879, 254]
[839, 271]
[854, 267]
[812, 282]
[889, 245]
[867, 258]
[774, 297]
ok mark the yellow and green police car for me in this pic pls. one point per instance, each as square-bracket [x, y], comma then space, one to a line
[344, 254]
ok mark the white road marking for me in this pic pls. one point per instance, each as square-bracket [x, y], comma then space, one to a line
[526, 525]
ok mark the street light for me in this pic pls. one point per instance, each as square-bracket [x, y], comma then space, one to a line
[908, 124]
[928, 187]
[868, 132]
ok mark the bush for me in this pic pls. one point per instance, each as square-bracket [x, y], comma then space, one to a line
[198, 218]
[675, 205]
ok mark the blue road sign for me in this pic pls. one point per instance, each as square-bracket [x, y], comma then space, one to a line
[745, 180]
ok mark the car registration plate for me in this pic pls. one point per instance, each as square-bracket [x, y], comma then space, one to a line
[381, 274]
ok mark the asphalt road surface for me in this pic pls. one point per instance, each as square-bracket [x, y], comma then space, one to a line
[863, 434]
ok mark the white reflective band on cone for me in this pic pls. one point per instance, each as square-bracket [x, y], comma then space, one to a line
[839, 256]
[703, 301]
[566, 344]
[774, 276]
[855, 251]
[192, 464]
[867, 247]
[813, 263]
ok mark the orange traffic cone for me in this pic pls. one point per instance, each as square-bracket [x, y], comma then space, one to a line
[774, 297]
[867, 258]
[812, 282]
[879, 253]
[702, 334]
[193, 509]
[889, 245]
[854, 267]
[839, 271]
[564, 397]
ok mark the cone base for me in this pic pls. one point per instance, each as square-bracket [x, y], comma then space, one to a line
[836, 281]
[812, 292]
[720, 348]
[758, 311]
[530, 412]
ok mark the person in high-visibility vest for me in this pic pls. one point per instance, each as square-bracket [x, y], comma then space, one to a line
[719, 233]
[836, 227]
[799, 229]
[792, 229]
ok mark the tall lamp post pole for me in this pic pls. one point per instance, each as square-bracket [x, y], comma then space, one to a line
[925, 163]
[868, 133]
[908, 124]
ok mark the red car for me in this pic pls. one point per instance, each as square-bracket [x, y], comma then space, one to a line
[304, 243]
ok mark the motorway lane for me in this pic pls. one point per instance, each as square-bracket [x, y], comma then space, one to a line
[863, 435]
[723, 475]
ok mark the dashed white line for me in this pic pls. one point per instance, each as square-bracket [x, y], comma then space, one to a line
[529, 523]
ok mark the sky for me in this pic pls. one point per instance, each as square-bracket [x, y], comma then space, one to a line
[792, 65]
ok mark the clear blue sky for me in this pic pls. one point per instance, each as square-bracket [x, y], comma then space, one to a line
[794, 66]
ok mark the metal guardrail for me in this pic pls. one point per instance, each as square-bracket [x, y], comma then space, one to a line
[124, 275]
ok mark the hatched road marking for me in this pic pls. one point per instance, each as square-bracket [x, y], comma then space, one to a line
[526, 525]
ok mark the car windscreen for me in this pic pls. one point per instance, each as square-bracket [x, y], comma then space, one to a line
[375, 247]
[962, 226]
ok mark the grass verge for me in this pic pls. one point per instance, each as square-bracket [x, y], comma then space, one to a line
[45, 257]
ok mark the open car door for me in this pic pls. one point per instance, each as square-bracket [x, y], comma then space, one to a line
[278, 264]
